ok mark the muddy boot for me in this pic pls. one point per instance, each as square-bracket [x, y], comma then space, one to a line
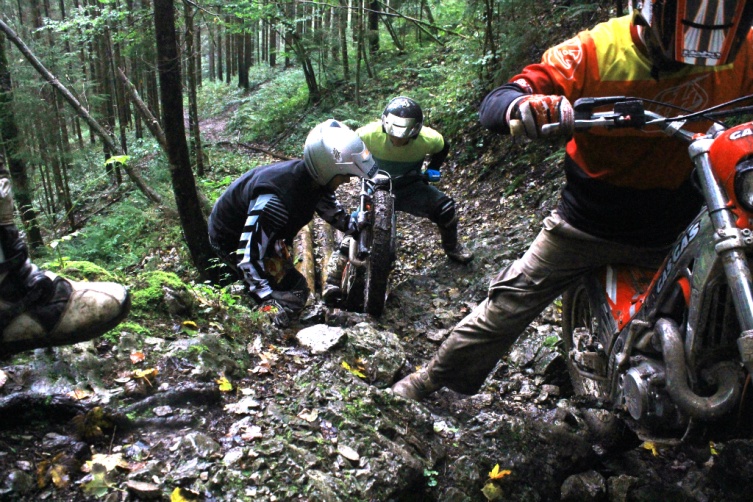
[40, 309]
[416, 386]
[452, 246]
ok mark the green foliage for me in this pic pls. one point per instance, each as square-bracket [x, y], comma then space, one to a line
[122, 238]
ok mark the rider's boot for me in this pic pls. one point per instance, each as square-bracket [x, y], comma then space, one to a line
[454, 250]
[40, 309]
[416, 386]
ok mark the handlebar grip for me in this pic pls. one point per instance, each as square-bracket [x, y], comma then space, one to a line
[517, 128]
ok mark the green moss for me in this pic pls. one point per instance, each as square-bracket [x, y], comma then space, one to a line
[148, 295]
[81, 270]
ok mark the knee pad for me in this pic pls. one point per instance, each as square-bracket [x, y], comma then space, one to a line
[444, 213]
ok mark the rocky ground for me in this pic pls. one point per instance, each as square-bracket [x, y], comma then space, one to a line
[192, 410]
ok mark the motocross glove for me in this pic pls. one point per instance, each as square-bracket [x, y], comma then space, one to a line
[275, 312]
[292, 301]
[541, 116]
[433, 175]
[358, 221]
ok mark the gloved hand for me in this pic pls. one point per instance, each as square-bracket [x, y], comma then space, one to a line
[292, 301]
[275, 312]
[536, 113]
[359, 220]
[433, 175]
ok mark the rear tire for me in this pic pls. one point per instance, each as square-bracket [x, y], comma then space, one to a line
[579, 321]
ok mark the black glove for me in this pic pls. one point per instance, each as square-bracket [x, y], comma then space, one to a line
[292, 301]
[275, 312]
[358, 221]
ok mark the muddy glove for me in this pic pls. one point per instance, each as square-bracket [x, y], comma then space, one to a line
[541, 116]
[275, 312]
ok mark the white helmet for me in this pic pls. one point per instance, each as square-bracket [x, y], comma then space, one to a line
[333, 148]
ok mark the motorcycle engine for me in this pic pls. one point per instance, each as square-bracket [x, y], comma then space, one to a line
[645, 397]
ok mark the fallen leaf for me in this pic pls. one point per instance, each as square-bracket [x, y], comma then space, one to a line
[496, 473]
[147, 374]
[712, 448]
[109, 462]
[137, 357]
[79, 394]
[225, 385]
[98, 486]
[184, 495]
[492, 491]
[355, 371]
[650, 446]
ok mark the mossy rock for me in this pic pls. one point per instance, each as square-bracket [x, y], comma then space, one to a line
[159, 293]
[81, 271]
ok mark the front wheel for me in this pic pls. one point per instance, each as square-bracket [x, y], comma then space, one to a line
[380, 260]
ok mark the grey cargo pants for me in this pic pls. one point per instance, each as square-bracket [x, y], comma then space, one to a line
[559, 255]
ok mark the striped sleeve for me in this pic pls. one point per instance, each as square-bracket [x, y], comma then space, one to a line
[266, 216]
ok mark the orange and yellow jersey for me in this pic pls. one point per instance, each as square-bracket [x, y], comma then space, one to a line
[625, 184]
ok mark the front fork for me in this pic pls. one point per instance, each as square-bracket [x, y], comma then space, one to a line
[360, 247]
[730, 243]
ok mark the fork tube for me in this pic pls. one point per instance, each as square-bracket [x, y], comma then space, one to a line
[733, 256]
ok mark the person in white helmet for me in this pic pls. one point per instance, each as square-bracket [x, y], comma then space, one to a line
[255, 220]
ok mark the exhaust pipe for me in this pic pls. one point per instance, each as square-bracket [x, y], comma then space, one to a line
[726, 375]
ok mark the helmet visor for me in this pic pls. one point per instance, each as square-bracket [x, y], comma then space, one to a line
[361, 164]
[709, 32]
[401, 127]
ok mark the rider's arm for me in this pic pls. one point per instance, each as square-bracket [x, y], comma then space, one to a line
[266, 216]
[436, 160]
[333, 213]
[562, 71]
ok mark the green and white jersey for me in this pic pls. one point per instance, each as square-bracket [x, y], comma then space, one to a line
[399, 160]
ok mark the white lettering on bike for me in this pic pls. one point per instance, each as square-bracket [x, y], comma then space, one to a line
[742, 133]
[681, 246]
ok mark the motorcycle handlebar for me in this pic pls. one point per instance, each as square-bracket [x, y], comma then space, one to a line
[629, 112]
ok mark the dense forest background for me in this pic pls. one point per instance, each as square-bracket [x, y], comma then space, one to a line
[101, 100]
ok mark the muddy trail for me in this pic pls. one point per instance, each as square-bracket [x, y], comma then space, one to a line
[192, 410]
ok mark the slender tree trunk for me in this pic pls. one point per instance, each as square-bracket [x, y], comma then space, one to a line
[193, 109]
[344, 38]
[184, 186]
[374, 9]
[10, 139]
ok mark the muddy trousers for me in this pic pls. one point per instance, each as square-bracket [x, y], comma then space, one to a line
[559, 255]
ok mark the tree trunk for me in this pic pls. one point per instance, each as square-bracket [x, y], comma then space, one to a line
[374, 8]
[193, 108]
[192, 220]
[17, 166]
[343, 16]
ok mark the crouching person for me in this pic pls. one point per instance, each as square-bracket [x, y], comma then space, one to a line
[255, 221]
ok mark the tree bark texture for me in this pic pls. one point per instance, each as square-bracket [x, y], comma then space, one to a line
[184, 186]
